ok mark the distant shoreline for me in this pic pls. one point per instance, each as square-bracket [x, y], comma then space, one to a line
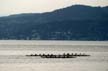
[51, 42]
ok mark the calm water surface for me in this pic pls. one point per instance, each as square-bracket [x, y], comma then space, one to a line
[12, 56]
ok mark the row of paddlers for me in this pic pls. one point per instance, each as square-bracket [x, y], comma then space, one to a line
[64, 55]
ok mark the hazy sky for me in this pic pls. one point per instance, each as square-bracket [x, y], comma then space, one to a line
[8, 7]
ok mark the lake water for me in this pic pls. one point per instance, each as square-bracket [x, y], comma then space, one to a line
[12, 55]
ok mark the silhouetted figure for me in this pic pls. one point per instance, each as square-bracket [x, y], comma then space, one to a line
[31, 54]
[75, 54]
[43, 55]
[60, 56]
[72, 54]
[36, 55]
[68, 55]
[39, 54]
[64, 55]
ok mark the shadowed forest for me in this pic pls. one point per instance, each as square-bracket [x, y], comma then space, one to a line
[76, 22]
